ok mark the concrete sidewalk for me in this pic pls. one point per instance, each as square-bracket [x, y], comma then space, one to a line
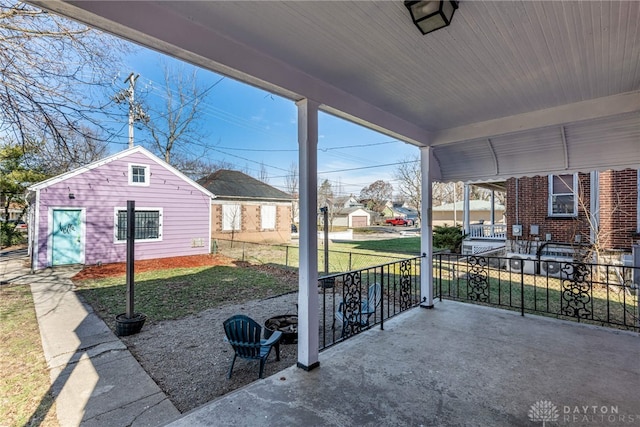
[94, 378]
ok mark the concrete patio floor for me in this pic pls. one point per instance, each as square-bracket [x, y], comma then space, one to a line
[455, 365]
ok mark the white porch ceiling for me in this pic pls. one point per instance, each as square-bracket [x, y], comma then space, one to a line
[511, 88]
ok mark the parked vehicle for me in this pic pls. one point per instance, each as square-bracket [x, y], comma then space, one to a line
[397, 221]
[19, 225]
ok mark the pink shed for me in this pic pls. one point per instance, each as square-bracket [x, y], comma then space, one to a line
[80, 217]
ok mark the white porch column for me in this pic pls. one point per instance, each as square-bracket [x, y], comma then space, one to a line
[308, 316]
[493, 208]
[467, 209]
[426, 234]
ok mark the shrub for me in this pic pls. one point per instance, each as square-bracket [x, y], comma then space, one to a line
[447, 237]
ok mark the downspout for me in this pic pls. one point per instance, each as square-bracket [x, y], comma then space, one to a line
[517, 197]
[36, 234]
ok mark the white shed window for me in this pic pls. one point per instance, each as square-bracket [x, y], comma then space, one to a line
[268, 217]
[563, 200]
[139, 175]
[231, 219]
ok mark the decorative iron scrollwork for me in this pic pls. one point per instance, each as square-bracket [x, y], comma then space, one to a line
[478, 279]
[405, 285]
[576, 290]
[352, 303]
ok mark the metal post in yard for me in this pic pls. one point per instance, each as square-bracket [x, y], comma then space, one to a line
[350, 267]
[522, 291]
[286, 256]
[131, 235]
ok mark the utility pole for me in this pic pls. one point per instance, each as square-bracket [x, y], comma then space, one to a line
[135, 110]
[132, 85]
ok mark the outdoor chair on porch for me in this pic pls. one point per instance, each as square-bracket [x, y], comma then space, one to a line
[245, 336]
[354, 316]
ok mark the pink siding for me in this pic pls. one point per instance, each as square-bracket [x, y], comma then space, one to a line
[185, 211]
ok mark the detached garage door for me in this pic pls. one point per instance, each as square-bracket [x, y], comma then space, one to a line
[358, 221]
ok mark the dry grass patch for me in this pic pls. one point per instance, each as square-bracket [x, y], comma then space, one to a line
[25, 399]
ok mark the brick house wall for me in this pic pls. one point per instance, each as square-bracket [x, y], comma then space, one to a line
[250, 223]
[618, 195]
[618, 209]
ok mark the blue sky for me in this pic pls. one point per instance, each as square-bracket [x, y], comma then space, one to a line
[248, 127]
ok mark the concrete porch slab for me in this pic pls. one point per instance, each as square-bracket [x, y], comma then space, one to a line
[458, 364]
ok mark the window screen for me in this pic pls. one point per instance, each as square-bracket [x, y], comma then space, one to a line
[147, 225]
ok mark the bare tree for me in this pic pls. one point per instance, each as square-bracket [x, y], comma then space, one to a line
[409, 176]
[198, 168]
[80, 149]
[53, 76]
[291, 179]
[291, 186]
[175, 125]
[377, 195]
[264, 174]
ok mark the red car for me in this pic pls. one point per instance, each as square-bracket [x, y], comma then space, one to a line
[397, 221]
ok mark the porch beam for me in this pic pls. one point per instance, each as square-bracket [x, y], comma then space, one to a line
[426, 233]
[308, 315]
[570, 113]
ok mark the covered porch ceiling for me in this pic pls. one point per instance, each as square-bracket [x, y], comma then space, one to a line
[508, 89]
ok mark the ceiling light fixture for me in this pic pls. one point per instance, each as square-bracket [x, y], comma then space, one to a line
[431, 15]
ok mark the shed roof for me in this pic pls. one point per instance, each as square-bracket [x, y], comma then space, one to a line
[230, 184]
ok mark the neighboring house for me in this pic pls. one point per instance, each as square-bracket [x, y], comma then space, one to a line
[349, 212]
[353, 217]
[15, 210]
[563, 212]
[79, 217]
[399, 210]
[246, 209]
[346, 202]
[479, 212]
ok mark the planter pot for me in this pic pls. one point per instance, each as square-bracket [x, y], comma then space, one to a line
[129, 326]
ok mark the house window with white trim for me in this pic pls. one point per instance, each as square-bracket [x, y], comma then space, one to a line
[563, 200]
[148, 224]
[268, 217]
[139, 175]
[231, 217]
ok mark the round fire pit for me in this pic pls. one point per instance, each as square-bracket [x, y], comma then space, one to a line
[287, 324]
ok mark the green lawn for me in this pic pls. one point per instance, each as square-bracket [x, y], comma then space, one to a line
[343, 256]
[409, 246]
[175, 293]
[25, 399]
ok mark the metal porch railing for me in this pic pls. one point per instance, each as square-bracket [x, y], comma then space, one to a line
[600, 294]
